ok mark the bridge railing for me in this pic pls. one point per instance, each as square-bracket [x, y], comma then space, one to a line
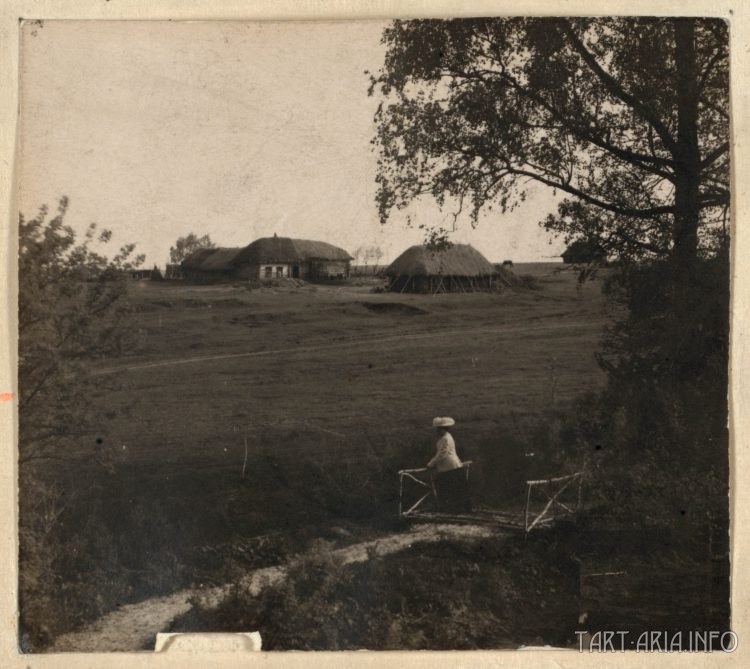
[557, 503]
[560, 495]
[428, 487]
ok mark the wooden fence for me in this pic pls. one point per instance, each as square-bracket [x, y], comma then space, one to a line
[554, 490]
[546, 500]
[427, 488]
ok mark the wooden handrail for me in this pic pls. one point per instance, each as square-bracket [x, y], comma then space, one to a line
[464, 464]
[409, 473]
[556, 479]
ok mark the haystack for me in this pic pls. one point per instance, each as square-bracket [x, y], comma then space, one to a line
[458, 268]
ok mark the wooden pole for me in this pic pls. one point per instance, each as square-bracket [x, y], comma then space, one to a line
[529, 485]
[400, 494]
[434, 490]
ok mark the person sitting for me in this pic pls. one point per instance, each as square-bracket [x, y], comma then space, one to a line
[449, 477]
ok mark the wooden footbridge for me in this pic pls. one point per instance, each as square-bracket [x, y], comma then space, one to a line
[546, 501]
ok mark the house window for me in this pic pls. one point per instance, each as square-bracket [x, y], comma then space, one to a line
[279, 272]
[269, 272]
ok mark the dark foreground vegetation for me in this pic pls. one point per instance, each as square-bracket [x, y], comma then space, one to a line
[482, 594]
[449, 596]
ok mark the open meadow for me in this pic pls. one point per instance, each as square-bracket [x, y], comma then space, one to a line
[259, 420]
[320, 393]
[338, 377]
[326, 371]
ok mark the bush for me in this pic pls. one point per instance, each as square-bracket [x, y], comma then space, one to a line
[656, 439]
[445, 596]
[69, 311]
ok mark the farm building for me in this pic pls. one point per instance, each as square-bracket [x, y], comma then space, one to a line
[269, 258]
[278, 257]
[211, 265]
[173, 271]
[457, 268]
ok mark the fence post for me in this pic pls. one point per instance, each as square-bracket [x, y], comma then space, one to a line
[526, 512]
[400, 493]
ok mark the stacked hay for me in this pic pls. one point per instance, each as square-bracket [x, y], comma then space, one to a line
[457, 268]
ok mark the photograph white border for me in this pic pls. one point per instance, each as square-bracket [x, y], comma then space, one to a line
[736, 12]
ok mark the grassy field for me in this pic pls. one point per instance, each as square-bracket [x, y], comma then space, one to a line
[333, 389]
[296, 368]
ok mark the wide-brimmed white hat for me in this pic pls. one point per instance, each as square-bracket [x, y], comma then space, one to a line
[443, 421]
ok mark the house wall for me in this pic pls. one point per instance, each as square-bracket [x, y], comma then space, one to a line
[247, 272]
[318, 269]
[329, 269]
[274, 271]
[304, 270]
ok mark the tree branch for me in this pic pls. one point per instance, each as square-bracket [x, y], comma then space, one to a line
[602, 204]
[719, 54]
[614, 87]
[714, 155]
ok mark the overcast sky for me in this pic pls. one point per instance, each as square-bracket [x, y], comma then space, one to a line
[238, 130]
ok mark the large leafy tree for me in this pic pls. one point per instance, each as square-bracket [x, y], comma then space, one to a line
[188, 244]
[625, 118]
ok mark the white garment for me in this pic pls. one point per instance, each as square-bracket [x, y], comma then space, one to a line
[445, 456]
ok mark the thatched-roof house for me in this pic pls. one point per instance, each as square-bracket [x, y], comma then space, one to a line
[457, 268]
[277, 257]
[269, 258]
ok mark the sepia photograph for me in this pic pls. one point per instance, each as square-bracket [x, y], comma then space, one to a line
[399, 334]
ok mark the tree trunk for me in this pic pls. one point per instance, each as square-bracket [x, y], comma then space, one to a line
[687, 159]
[684, 290]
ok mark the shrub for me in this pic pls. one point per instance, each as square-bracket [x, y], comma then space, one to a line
[442, 596]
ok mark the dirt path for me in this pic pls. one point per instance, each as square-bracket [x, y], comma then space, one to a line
[364, 341]
[130, 627]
